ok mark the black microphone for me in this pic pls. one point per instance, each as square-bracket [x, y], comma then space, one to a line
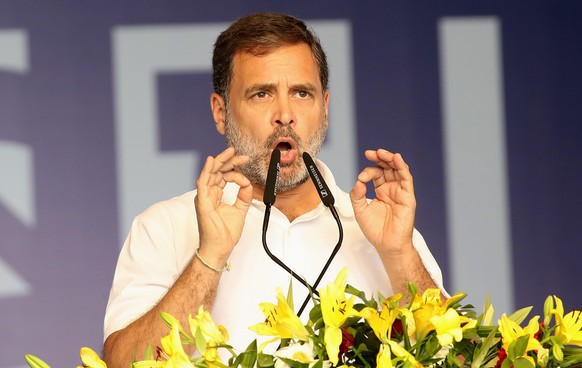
[272, 178]
[328, 200]
[320, 185]
[269, 197]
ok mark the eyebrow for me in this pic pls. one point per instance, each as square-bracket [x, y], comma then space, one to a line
[259, 87]
[304, 87]
[271, 86]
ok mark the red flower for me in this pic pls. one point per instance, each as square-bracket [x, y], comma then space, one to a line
[501, 354]
[538, 334]
[347, 341]
[397, 329]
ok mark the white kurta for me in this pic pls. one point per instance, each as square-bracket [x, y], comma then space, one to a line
[164, 238]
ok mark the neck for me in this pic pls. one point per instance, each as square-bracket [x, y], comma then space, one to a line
[295, 202]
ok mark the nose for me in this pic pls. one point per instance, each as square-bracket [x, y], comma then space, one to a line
[283, 114]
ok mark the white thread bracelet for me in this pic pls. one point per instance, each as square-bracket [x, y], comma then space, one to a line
[219, 270]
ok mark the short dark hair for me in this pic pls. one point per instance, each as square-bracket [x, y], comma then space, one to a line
[260, 34]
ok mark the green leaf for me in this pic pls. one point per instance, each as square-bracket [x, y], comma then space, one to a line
[290, 294]
[35, 362]
[265, 360]
[572, 359]
[486, 318]
[361, 295]
[318, 364]
[293, 363]
[316, 317]
[482, 351]
[412, 289]
[432, 346]
[520, 315]
[169, 320]
[454, 301]
[453, 361]
[558, 353]
[149, 353]
[517, 347]
[548, 308]
[522, 363]
[248, 358]
[507, 363]
[200, 341]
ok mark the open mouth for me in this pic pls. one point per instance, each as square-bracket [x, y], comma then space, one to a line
[284, 147]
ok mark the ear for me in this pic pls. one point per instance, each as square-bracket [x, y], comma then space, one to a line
[326, 103]
[218, 108]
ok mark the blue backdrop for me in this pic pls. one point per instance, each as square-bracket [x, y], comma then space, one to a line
[104, 110]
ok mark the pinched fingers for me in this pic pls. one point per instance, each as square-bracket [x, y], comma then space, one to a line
[386, 159]
[218, 170]
[390, 168]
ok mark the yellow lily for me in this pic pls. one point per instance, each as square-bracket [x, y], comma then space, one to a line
[212, 334]
[384, 358]
[172, 344]
[178, 361]
[400, 352]
[422, 324]
[569, 326]
[448, 326]
[148, 364]
[511, 331]
[381, 322]
[335, 308]
[423, 308]
[281, 321]
[91, 359]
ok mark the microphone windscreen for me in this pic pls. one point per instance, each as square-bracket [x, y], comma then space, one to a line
[317, 178]
[270, 193]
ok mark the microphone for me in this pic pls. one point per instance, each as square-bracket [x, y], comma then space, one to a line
[272, 178]
[269, 197]
[317, 179]
[328, 200]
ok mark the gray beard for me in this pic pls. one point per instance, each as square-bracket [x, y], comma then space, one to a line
[256, 169]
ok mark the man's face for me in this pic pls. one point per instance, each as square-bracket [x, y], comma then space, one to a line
[276, 101]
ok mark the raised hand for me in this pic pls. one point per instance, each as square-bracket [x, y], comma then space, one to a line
[388, 220]
[220, 225]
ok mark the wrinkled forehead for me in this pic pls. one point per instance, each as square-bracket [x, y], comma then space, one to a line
[292, 60]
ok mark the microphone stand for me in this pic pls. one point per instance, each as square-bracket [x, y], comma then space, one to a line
[269, 199]
[327, 199]
[276, 259]
[331, 257]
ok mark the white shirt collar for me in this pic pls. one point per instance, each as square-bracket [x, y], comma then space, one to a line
[342, 200]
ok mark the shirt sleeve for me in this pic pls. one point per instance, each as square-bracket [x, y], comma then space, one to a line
[150, 261]
[428, 260]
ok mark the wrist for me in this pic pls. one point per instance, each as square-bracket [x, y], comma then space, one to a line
[225, 268]
[216, 262]
[401, 252]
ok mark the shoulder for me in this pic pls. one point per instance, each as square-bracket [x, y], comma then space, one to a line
[169, 212]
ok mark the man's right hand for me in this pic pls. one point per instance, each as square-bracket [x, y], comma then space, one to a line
[220, 225]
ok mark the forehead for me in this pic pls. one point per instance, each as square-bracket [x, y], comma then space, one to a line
[295, 63]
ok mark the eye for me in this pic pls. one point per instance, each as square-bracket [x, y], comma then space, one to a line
[261, 94]
[303, 94]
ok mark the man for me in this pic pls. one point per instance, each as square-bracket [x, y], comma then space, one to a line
[270, 79]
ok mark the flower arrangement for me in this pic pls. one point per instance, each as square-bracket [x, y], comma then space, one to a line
[345, 329]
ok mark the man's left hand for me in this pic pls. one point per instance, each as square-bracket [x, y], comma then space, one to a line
[388, 220]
